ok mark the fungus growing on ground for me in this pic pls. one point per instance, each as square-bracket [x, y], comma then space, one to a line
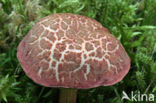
[72, 51]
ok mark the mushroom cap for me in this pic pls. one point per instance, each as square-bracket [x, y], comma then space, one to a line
[72, 51]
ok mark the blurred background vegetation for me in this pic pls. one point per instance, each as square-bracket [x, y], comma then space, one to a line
[133, 22]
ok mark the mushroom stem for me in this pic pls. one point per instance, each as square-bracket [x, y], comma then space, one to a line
[67, 95]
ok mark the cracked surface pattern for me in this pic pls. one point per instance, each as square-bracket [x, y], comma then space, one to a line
[72, 51]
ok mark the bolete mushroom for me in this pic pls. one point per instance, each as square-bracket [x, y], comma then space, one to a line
[72, 51]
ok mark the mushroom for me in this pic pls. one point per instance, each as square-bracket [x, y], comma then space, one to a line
[72, 52]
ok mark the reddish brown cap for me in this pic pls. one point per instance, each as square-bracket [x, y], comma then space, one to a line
[72, 51]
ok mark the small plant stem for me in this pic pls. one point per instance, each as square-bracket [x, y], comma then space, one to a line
[67, 95]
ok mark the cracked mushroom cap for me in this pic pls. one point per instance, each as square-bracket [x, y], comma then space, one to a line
[72, 51]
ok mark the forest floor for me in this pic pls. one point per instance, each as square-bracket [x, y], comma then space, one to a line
[133, 22]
